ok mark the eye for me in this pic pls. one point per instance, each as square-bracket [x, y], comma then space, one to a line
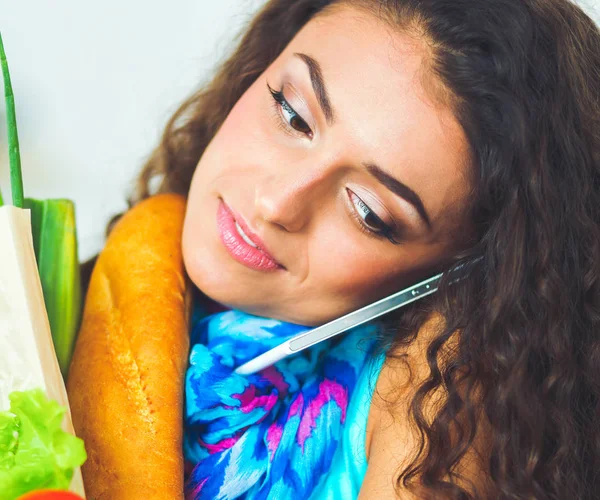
[288, 115]
[369, 219]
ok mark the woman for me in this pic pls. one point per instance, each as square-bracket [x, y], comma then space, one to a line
[356, 147]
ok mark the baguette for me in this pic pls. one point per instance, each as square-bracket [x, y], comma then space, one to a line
[126, 380]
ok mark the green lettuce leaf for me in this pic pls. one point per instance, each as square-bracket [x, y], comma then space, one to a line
[35, 453]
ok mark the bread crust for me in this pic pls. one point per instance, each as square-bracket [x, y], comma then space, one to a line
[126, 380]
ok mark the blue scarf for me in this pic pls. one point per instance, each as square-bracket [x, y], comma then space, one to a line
[272, 434]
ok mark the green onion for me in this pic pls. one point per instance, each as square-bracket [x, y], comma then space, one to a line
[16, 177]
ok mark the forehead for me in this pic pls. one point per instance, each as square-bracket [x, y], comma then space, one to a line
[375, 76]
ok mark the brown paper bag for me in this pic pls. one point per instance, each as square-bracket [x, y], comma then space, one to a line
[27, 356]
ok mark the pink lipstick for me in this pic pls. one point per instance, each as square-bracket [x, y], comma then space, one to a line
[243, 245]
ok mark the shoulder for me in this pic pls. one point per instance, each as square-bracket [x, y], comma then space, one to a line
[393, 438]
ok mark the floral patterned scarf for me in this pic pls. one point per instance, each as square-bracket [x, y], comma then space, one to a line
[272, 434]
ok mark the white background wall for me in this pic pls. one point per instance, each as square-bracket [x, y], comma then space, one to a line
[94, 84]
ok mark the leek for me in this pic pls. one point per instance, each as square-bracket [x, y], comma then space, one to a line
[55, 246]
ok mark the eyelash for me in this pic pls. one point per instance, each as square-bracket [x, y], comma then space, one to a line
[387, 232]
[280, 101]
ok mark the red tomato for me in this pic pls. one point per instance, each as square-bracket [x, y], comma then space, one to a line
[50, 495]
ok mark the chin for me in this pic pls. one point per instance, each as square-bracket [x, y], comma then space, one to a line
[209, 278]
[215, 280]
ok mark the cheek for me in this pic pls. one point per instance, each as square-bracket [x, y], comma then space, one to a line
[238, 125]
[352, 271]
[349, 271]
[243, 135]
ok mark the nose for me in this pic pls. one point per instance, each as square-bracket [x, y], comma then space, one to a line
[290, 199]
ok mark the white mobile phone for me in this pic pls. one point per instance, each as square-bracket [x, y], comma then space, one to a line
[341, 325]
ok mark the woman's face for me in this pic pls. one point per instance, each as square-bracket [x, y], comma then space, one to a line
[334, 181]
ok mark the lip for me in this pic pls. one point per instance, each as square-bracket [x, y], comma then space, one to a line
[254, 258]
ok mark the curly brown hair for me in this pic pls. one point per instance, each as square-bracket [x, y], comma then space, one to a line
[524, 81]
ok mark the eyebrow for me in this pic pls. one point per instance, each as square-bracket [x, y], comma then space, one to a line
[393, 184]
[318, 84]
[399, 188]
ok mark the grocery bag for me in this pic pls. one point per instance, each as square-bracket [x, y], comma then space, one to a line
[38, 448]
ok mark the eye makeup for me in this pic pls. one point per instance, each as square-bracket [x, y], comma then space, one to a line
[288, 115]
[369, 220]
